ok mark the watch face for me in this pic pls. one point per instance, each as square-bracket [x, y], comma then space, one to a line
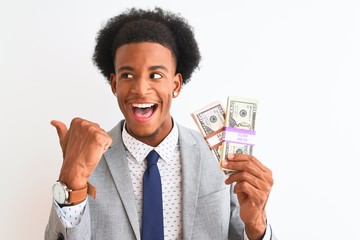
[59, 193]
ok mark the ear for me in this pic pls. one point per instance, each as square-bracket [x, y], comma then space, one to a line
[178, 80]
[113, 83]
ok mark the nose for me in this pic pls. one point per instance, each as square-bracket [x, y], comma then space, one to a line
[141, 85]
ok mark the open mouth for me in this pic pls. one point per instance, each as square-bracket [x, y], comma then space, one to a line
[143, 110]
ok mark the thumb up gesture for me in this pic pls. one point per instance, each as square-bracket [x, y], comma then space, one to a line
[82, 145]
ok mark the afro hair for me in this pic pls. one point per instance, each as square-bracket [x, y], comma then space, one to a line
[158, 26]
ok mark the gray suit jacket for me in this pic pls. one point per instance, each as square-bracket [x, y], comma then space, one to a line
[210, 210]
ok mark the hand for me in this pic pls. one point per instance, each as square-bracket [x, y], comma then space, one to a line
[82, 146]
[253, 182]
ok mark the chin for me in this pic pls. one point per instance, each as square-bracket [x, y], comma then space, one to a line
[141, 129]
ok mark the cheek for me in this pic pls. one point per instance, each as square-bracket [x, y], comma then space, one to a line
[121, 100]
[168, 95]
[123, 90]
[169, 100]
[166, 98]
[163, 90]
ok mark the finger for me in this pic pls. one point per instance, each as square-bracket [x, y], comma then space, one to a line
[61, 129]
[242, 166]
[260, 165]
[100, 138]
[107, 144]
[247, 158]
[244, 190]
[260, 180]
[263, 185]
[105, 141]
[244, 176]
[248, 172]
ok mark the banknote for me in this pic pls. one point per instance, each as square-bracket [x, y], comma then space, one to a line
[239, 127]
[210, 121]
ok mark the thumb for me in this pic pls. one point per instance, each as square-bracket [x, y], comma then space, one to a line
[60, 128]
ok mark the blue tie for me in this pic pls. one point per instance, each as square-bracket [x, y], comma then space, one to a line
[152, 212]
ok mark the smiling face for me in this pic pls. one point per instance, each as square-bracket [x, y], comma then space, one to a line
[144, 82]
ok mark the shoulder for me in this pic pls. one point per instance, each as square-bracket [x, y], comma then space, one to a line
[116, 130]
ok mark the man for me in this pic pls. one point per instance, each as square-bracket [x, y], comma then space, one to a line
[147, 55]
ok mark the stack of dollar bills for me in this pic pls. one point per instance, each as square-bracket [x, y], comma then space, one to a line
[228, 131]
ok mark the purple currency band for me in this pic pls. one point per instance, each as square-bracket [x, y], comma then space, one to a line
[239, 136]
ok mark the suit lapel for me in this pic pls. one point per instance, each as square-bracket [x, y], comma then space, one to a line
[190, 163]
[116, 159]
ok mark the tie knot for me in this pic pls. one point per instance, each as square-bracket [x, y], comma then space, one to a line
[152, 158]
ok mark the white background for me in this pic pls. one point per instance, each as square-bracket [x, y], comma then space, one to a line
[300, 59]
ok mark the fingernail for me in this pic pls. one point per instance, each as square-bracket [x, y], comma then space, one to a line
[225, 163]
[230, 156]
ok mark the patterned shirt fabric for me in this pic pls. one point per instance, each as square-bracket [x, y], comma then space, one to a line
[170, 171]
[71, 216]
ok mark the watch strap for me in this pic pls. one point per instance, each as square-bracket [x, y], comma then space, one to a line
[77, 196]
[91, 190]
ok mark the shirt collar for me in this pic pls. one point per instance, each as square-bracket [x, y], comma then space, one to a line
[140, 150]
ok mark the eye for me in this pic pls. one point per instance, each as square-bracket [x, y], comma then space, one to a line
[126, 75]
[155, 75]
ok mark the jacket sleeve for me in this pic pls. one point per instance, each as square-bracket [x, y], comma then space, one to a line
[237, 227]
[55, 229]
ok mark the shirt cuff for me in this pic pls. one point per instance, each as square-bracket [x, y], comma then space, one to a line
[71, 216]
[267, 235]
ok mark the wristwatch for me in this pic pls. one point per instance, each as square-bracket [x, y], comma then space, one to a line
[66, 196]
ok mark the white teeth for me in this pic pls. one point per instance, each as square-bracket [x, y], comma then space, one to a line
[143, 105]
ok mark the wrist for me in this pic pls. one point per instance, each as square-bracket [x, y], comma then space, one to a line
[256, 230]
[73, 182]
[64, 195]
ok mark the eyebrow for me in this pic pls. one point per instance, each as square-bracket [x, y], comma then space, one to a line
[159, 67]
[125, 68]
[150, 68]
